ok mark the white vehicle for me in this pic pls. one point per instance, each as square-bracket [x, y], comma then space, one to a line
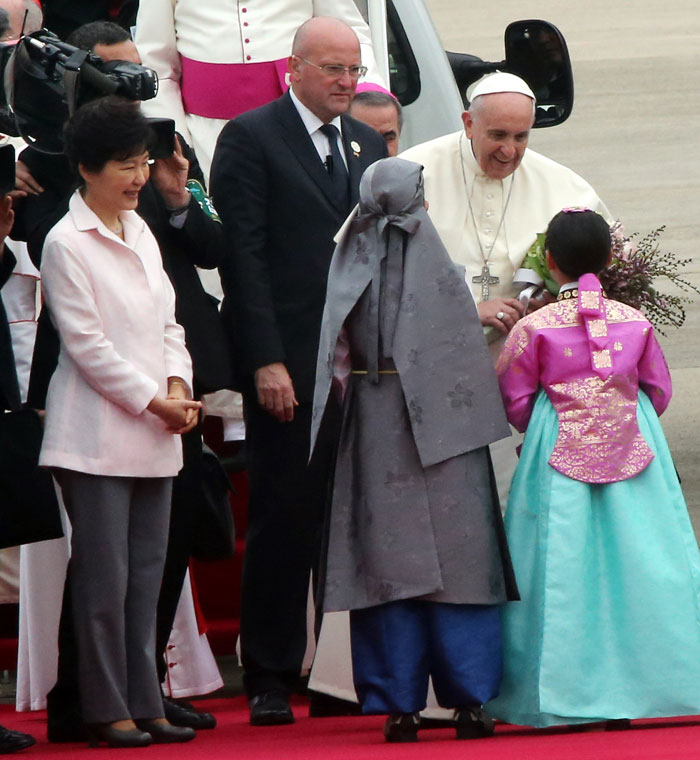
[431, 84]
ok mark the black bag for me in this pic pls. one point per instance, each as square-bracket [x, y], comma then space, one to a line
[29, 509]
[214, 533]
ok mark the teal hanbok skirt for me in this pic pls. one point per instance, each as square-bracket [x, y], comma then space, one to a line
[609, 577]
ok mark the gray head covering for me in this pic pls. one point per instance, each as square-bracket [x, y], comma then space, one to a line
[429, 324]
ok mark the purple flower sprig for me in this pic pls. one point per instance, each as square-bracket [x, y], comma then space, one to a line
[636, 265]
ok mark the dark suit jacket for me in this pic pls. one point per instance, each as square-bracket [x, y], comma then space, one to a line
[273, 194]
[199, 242]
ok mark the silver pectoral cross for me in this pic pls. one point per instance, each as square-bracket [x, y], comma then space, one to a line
[485, 279]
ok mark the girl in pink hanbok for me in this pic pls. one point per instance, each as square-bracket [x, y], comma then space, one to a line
[605, 556]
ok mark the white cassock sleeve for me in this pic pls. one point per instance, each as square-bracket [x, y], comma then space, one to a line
[156, 41]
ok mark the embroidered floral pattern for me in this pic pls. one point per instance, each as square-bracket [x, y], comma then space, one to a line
[599, 440]
[460, 396]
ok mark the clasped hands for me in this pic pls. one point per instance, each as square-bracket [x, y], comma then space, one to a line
[179, 412]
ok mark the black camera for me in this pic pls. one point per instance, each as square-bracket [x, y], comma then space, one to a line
[44, 80]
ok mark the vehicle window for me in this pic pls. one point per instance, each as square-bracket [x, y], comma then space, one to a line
[403, 69]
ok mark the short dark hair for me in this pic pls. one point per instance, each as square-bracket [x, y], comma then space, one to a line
[107, 129]
[87, 36]
[579, 241]
[377, 99]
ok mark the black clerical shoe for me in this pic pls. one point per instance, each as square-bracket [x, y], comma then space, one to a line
[14, 741]
[473, 723]
[271, 708]
[401, 728]
[185, 715]
[165, 733]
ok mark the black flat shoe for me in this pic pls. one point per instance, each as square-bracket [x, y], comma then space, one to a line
[117, 738]
[165, 733]
[401, 728]
[473, 723]
[271, 708]
[179, 714]
[14, 741]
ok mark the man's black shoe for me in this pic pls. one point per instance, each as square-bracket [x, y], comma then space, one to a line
[14, 741]
[186, 716]
[271, 708]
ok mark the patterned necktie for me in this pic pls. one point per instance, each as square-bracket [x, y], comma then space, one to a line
[336, 167]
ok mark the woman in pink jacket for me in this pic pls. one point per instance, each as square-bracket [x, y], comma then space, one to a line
[116, 406]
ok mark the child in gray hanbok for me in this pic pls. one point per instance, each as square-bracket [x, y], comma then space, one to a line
[416, 548]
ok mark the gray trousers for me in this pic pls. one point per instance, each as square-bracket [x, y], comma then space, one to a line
[120, 535]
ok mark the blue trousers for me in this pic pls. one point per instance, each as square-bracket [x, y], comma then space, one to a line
[398, 645]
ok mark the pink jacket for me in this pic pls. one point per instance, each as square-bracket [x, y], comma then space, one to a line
[114, 309]
[592, 381]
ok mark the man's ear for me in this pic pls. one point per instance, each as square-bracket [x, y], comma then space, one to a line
[468, 123]
[293, 63]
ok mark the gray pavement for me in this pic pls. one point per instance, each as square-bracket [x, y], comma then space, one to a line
[633, 135]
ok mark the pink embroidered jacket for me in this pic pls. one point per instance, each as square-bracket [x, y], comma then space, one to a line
[591, 355]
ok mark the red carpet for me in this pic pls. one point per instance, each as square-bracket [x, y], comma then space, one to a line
[360, 738]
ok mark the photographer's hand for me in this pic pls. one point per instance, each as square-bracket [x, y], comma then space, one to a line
[169, 175]
[25, 183]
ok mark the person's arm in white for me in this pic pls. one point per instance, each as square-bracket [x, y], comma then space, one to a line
[156, 41]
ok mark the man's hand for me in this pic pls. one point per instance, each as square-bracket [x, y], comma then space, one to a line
[7, 217]
[501, 313]
[169, 175]
[25, 184]
[276, 391]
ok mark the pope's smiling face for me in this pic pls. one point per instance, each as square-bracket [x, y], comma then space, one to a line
[499, 127]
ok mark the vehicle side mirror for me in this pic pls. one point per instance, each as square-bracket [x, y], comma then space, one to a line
[537, 52]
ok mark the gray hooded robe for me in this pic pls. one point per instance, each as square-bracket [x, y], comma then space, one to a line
[414, 511]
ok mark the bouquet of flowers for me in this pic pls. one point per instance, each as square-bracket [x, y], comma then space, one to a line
[637, 262]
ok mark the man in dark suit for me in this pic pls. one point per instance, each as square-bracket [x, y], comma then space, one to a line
[284, 178]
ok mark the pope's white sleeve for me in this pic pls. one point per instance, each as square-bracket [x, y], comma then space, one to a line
[156, 41]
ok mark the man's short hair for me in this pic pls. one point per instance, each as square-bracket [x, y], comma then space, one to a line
[87, 36]
[378, 100]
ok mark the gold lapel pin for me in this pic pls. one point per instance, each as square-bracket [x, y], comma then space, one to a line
[356, 149]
